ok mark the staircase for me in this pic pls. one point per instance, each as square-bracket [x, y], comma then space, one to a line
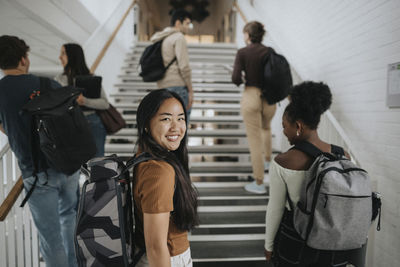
[232, 221]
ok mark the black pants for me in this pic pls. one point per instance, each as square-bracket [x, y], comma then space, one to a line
[319, 258]
[290, 250]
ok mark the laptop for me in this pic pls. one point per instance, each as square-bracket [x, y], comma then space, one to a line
[91, 85]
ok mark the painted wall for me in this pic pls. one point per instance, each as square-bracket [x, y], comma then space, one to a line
[110, 66]
[348, 45]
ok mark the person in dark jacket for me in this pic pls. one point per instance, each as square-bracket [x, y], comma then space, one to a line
[53, 200]
[257, 113]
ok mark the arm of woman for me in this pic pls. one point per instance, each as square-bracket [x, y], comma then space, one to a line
[94, 103]
[275, 209]
[155, 236]
[237, 69]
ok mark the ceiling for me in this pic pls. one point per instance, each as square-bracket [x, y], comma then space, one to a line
[45, 25]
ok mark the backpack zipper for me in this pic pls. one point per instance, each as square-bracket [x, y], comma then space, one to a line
[338, 195]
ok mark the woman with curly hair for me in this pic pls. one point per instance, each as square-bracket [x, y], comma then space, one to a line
[256, 111]
[308, 101]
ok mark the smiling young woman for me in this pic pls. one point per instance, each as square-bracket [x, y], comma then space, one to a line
[165, 200]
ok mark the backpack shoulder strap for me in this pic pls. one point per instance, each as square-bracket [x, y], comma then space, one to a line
[136, 160]
[172, 61]
[308, 148]
[337, 150]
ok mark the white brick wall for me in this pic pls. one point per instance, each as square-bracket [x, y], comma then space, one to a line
[348, 45]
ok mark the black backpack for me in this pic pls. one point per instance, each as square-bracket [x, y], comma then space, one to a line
[152, 64]
[277, 79]
[104, 233]
[60, 130]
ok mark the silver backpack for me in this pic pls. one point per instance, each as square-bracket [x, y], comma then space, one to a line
[335, 207]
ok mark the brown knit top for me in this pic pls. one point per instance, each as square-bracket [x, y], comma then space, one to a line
[153, 192]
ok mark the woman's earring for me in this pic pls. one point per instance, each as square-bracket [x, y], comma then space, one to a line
[145, 129]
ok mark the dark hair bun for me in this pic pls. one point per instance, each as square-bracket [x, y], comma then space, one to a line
[309, 100]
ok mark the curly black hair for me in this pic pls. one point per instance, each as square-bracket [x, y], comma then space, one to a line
[255, 30]
[308, 101]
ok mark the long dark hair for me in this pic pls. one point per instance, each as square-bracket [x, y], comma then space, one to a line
[76, 62]
[185, 196]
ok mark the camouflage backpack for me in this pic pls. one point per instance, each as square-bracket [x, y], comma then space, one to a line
[104, 234]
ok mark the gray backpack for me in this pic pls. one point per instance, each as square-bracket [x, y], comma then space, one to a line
[335, 207]
[104, 234]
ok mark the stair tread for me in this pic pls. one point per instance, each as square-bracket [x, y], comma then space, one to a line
[239, 250]
[226, 192]
[232, 217]
[192, 149]
[193, 132]
[220, 106]
[227, 118]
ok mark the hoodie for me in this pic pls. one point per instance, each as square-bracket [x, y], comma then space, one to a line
[174, 45]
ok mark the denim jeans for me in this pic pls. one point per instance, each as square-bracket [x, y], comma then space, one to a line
[99, 133]
[52, 205]
[182, 91]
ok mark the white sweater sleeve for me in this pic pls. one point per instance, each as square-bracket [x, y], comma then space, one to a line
[276, 205]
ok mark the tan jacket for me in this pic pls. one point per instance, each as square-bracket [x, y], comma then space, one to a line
[174, 44]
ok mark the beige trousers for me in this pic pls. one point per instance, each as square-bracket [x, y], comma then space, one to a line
[257, 115]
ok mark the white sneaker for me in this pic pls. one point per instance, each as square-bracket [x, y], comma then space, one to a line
[253, 187]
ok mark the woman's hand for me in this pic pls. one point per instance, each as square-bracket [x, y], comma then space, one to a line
[81, 100]
[155, 236]
[268, 254]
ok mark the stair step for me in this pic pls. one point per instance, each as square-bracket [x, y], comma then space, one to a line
[229, 251]
[231, 202]
[231, 192]
[200, 119]
[233, 237]
[215, 149]
[194, 58]
[199, 68]
[237, 219]
[196, 106]
[232, 208]
[193, 133]
[196, 74]
[197, 95]
[197, 87]
[228, 230]
[192, 51]
[197, 79]
[195, 46]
